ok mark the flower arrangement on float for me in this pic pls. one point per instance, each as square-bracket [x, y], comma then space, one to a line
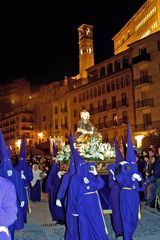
[94, 150]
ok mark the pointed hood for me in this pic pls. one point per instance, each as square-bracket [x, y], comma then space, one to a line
[124, 147]
[119, 157]
[6, 163]
[22, 157]
[55, 149]
[130, 155]
[79, 161]
[72, 168]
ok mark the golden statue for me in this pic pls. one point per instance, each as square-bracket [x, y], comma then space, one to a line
[85, 129]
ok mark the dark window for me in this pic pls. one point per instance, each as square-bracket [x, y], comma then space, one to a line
[103, 89]
[56, 110]
[74, 99]
[117, 65]
[117, 84]
[109, 68]
[127, 80]
[124, 99]
[112, 86]
[91, 93]
[95, 92]
[87, 95]
[83, 96]
[158, 45]
[125, 62]
[80, 99]
[113, 102]
[104, 105]
[122, 82]
[91, 108]
[99, 90]
[108, 87]
[102, 71]
[124, 117]
[147, 119]
[75, 113]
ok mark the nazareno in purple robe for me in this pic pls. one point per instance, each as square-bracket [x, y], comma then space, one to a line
[8, 206]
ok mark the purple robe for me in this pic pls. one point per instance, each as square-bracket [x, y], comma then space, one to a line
[8, 205]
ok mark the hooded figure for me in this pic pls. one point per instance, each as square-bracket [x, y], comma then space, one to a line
[129, 181]
[8, 207]
[25, 171]
[86, 219]
[7, 171]
[115, 193]
[52, 186]
[36, 183]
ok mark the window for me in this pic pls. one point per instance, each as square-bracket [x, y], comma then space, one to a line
[104, 104]
[115, 120]
[75, 113]
[127, 80]
[158, 45]
[108, 87]
[91, 108]
[80, 99]
[99, 90]
[103, 89]
[56, 110]
[84, 96]
[122, 82]
[112, 86]
[74, 99]
[105, 121]
[125, 62]
[87, 95]
[117, 65]
[113, 102]
[124, 99]
[102, 71]
[109, 68]
[117, 84]
[56, 124]
[95, 92]
[91, 93]
[147, 119]
[124, 117]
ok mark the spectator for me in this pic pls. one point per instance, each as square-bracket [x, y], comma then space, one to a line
[156, 174]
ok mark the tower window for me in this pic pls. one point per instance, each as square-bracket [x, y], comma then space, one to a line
[89, 50]
[88, 31]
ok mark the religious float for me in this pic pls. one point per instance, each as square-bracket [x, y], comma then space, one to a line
[89, 143]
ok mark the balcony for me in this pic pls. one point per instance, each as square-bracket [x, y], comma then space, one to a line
[146, 127]
[143, 80]
[144, 103]
[141, 57]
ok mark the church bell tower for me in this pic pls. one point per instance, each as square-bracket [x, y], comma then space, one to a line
[86, 51]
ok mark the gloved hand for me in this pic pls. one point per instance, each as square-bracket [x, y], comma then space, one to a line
[93, 170]
[112, 174]
[59, 174]
[9, 173]
[136, 176]
[22, 204]
[58, 203]
[4, 229]
[22, 175]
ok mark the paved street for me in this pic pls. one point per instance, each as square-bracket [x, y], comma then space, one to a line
[41, 227]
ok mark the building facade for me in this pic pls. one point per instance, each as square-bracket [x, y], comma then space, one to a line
[145, 22]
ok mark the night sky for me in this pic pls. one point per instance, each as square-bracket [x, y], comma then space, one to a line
[39, 41]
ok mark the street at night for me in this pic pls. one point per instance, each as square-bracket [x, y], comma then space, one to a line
[41, 227]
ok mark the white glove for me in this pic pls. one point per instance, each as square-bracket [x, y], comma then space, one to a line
[136, 176]
[9, 173]
[22, 175]
[75, 214]
[93, 170]
[58, 203]
[4, 229]
[22, 204]
[112, 174]
[59, 174]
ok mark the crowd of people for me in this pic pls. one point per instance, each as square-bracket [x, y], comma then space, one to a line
[149, 166]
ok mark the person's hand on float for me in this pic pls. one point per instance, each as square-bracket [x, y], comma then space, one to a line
[93, 170]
